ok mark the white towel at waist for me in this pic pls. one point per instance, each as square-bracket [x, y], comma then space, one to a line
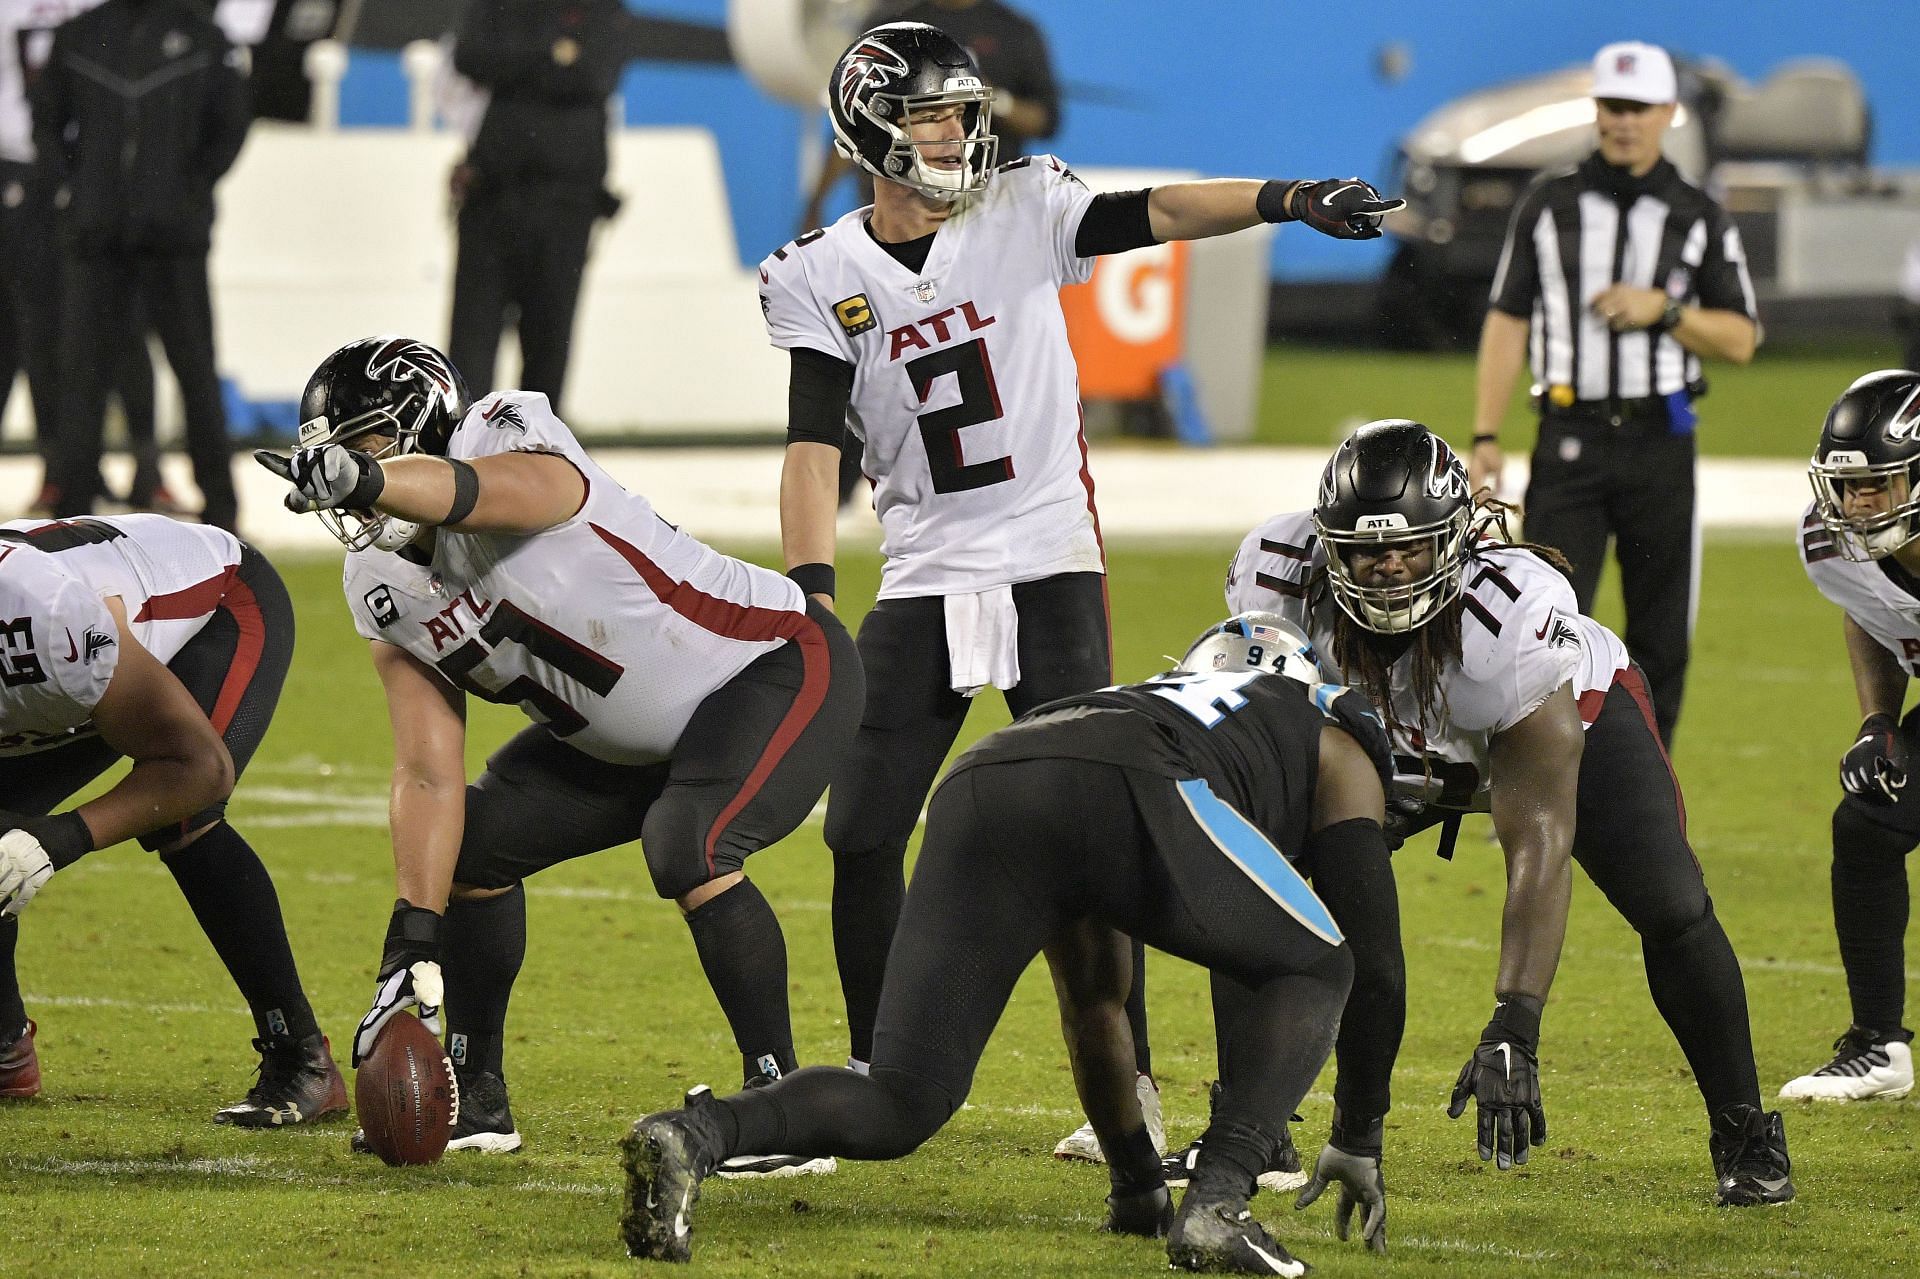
[983, 640]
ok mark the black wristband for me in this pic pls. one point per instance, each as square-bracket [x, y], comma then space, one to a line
[813, 579]
[1271, 201]
[366, 489]
[466, 491]
[413, 934]
[1516, 1020]
[1359, 1135]
[64, 837]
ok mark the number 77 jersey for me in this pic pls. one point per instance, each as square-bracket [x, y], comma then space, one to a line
[966, 399]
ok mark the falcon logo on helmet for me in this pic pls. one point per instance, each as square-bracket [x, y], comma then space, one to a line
[886, 77]
[1866, 470]
[866, 67]
[399, 358]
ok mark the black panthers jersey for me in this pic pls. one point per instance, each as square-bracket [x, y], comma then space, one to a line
[1253, 737]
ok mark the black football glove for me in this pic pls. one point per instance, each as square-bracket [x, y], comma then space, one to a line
[1350, 709]
[1351, 1158]
[1875, 767]
[326, 477]
[1344, 208]
[409, 976]
[1502, 1078]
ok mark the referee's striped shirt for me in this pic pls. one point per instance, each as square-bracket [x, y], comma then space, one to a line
[1572, 237]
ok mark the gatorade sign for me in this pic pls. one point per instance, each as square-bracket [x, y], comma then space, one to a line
[1126, 323]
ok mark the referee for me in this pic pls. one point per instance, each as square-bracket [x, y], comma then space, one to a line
[1624, 276]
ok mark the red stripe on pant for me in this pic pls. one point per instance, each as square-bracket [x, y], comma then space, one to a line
[816, 671]
[1636, 685]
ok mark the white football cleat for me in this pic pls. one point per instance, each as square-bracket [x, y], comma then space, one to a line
[1862, 1069]
[1081, 1144]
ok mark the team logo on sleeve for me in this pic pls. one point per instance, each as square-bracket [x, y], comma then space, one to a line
[504, 413]
[380, 604]
[1557, 632]
[93, 643]
[855, 314]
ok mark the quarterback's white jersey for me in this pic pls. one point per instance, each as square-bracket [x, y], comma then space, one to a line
[26, 37]
[965, 392]
[609, 628]
[59, 646]
[1878, 605]
[1522, 636]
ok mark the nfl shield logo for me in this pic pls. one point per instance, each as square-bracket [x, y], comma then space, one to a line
[1623, 63]
[925, 290]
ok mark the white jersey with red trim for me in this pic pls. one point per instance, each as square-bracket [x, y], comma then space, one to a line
[610, 627]
[965, 392]
[1522, 636]
[59, 646]
[1863, 589]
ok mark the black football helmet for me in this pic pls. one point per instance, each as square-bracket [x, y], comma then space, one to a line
[1871, 436]
[888, 74]
[398, 395]
[1389, 482]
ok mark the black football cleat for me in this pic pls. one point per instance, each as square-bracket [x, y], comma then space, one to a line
[1220, 1236]
[756, 1167]
[1283, 1170]
[298, 1084]
[1749, 1148]
[486, 1120]
[20, 1066]
[667, 1155]
[1147, 1213]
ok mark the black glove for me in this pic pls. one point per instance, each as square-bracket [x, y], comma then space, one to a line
[1503, 1080]
[1875, 767]
[1350, 709]
[326, 477]
[1361, 1187]
[409, 975]
[1344, 208]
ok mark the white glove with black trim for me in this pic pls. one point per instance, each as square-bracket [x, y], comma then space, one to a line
[326, 477]
[24, 867]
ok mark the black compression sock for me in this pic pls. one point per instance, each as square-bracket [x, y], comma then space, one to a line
[1870, 910]
[1137, 1010]
[868, 889]
[1696, 985]
[1136, 1164]
[744, 954]
[482, 944]
[13, 1013]
[232, 896]
[1232, 1155]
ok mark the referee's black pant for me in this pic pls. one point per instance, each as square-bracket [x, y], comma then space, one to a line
[98, 291]
[1633, 483]
[523, 250]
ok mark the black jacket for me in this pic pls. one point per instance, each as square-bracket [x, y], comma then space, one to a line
[141, 108]
[550, 66]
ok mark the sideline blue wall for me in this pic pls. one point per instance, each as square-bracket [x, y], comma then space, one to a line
[1267, 87]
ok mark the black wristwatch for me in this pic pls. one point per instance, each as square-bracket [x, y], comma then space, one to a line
[1669, 317]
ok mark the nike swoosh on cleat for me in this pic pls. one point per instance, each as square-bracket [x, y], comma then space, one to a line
[1291, 1268]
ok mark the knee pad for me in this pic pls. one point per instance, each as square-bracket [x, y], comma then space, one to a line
[1860, 838]
[923, 1108]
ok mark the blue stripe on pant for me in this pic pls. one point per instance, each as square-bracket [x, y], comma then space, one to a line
[1256, 856]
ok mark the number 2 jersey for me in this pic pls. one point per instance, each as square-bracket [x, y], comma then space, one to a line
[59, 646]
[1866, 591]
[1521, 637]
[609, 628]
[965, 392]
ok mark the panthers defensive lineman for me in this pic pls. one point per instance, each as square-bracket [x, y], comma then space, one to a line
[1502, 696]
[1196, 804]
[926, 330]
[1858, 545]
[679, 696]
[164, 643]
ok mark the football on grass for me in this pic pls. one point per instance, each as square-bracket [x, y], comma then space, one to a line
[405, 1094]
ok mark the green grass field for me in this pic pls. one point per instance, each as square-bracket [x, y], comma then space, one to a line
[115, 1169]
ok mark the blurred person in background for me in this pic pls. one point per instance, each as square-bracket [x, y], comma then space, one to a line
[534, 179]
[140, 109]
[1906, 315]
[30, 268]
[1625, 277]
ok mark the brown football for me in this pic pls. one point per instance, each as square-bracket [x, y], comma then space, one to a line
[405, 1094]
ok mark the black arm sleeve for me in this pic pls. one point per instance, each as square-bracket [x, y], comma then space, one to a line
[1354, 877]
[819, 388]
[1114, 223]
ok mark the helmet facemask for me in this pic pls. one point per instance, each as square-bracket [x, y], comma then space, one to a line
[904, 162]
[1403, 606]
[1866, 537]
[400, 427]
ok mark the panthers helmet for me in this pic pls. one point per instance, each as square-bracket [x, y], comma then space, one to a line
[1393, 482]
[1872, 434]
[1256, 641]
[888, 74]
[395, 393]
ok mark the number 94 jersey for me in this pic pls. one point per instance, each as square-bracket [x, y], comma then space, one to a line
[965, 392]
[610, 628]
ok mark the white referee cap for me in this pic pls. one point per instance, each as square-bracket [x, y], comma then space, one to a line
[1635, 72]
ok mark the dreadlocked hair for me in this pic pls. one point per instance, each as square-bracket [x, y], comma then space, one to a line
[1366, 658]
